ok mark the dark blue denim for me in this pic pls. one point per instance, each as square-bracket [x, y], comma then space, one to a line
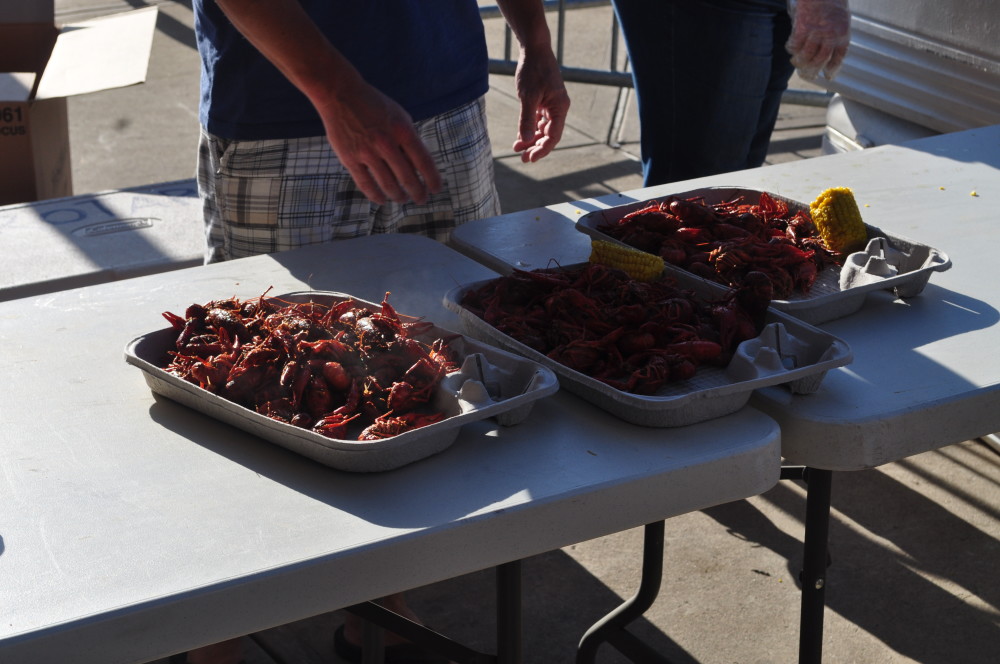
[709, 75]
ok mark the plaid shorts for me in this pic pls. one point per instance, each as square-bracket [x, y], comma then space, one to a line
[271, 195]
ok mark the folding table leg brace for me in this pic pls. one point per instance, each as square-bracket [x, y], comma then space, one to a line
[611, 628]
[509, 636]
[816, 559]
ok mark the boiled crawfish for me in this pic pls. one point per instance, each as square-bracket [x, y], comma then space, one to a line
[324, 368]
[724, 242]
[634, 336]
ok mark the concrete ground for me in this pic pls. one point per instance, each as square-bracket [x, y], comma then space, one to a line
[914, 544]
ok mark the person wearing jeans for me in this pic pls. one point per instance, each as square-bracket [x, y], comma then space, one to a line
[709, 75]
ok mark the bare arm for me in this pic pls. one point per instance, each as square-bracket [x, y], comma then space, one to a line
[539, 84]
[372, 135]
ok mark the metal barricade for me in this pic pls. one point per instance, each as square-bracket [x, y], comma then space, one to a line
[612, 76]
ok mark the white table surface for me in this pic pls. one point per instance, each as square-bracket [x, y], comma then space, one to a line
[926, 371]
[133, 527]
[75, 241]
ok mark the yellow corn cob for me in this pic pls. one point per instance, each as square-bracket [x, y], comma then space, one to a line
[838, 220]
[637, 264]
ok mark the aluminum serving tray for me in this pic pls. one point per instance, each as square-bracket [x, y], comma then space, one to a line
[491, 383]
[788, 351]
[889, 262]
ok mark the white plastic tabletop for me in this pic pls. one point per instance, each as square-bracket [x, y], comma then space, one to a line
[925, 372]
[134, 527]
[76, 241]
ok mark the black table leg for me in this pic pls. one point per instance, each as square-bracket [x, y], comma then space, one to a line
[509, 636]
[372, 644]
[815, 560]
[611, 628]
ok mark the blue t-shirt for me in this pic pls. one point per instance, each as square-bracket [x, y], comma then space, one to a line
[428, 56]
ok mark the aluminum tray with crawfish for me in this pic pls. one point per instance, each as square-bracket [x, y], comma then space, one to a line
[670, 352]
[721, 233]
[349, 383]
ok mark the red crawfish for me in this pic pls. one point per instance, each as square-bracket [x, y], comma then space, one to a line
[390, 425]
[316, 366]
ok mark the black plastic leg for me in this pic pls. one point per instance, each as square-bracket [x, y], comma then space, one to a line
[611, 628]
[372, 644]
[509, 635]
[815, 560]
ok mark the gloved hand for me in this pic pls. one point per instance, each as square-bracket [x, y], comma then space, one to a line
[821, 31]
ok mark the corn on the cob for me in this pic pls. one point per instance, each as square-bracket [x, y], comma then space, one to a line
[637, 264]
[838, 220]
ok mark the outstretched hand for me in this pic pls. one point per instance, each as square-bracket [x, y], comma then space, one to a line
[544, 105]
[375, 140]
[821, 32]
[372, 135]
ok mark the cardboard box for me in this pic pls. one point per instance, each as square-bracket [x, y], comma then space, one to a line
[40, 66]
[62, 243]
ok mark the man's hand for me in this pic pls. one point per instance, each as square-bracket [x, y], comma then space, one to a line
[374, 138]
[544, 105]
[372, 135]
[538, 81]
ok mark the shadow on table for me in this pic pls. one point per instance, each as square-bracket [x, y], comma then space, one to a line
[936, 313]
[908, 592]
[488, 465]
[965, 146]
[895, 398]
[519, 192]
[367, 495]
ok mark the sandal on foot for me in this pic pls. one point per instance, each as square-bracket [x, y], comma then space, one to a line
[397, 653]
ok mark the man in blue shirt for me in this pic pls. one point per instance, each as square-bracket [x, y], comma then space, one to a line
[329, 119]
[324, 119]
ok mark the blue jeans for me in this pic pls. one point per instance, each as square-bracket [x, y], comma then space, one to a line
[708, 77]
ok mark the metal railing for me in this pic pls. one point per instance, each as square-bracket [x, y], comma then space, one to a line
[612, 76]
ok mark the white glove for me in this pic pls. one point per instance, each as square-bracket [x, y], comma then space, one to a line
[821, 32]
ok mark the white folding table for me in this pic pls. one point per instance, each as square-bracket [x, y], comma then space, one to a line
[75, 241]
[134, 527]
[925, 372]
